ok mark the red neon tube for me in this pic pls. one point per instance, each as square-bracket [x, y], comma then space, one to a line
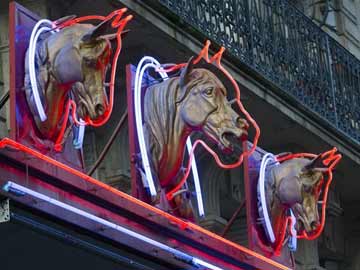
[330, 160]
[204, 54]
[119, 23]
[6, 142]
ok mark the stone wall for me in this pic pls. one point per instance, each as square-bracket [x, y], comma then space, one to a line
[339, 18]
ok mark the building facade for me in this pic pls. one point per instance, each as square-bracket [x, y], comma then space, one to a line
[297, 63]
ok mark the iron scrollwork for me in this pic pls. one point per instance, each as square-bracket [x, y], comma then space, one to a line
[280, 43]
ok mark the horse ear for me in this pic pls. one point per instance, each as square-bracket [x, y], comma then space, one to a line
[185, 73]
[316, 165]
[64, 19]
[97, 31]
[114, 35]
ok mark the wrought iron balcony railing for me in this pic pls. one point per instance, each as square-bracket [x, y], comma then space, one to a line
[280, 43]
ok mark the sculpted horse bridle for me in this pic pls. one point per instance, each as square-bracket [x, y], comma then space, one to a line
[173, 109]
[73, 60]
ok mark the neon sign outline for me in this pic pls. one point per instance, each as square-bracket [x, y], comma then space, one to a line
[139, 74]
[331, 158]
[204, 54]
[119, 23]
[6, 142]
[19, 189]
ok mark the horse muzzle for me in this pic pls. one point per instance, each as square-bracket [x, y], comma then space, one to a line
[305, 221]
[89, 106]
[228, 136]
[92, 111]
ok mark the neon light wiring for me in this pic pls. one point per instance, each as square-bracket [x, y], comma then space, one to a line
[204, 54]
[139, 74]
[138, 117]
[78, 141]
[31, 63]
[261, 189]
[330, 160]
[6, 142]
[293, 239]
[35, 34]
[195, 173]
[9, 186]
[119, 23]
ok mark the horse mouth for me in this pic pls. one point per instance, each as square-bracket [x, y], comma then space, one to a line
[226, 138]
[302, 221]
[304, 225]
[86, 108]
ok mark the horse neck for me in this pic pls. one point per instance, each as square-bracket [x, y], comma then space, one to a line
[173, 151]
[55, 97]
[278, 215]
[168, 130]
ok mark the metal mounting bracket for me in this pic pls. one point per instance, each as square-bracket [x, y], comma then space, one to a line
[4, 210]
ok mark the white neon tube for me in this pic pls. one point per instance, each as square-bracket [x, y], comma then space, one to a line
[197, 261]
[293, 239]
[261, 189]
[79, 139]
[13, 187]
[141, 67]
[196, 180]
[31, 63]
[139, 121]
[35, 34]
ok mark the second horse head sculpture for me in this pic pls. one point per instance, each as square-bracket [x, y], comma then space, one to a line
[173, 109]
[74, 58]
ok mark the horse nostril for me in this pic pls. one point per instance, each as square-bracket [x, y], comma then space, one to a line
[314, 225]
[242, 123]
[99, 109]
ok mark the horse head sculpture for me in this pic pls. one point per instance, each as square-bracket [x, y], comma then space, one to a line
[173, 109]
[297, 184]
[74, 58]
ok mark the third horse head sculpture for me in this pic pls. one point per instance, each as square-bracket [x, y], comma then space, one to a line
[174, 109]
[298, 184]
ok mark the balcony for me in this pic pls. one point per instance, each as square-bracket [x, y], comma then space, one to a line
[279, 44]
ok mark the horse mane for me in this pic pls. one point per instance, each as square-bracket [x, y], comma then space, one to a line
[42, 56]
[160, 105]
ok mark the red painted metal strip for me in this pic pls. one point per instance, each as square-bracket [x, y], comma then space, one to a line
[6, 142]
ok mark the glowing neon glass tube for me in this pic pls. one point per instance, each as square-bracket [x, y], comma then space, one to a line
[145, 63]
[6, 142]
[196, 179]
[21, 190]
[261, 189]
[31, 63]
[293, 238]
[35, 34]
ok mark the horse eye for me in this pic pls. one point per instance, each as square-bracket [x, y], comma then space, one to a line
[307, 188]
[209, 91]
[89, 62]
